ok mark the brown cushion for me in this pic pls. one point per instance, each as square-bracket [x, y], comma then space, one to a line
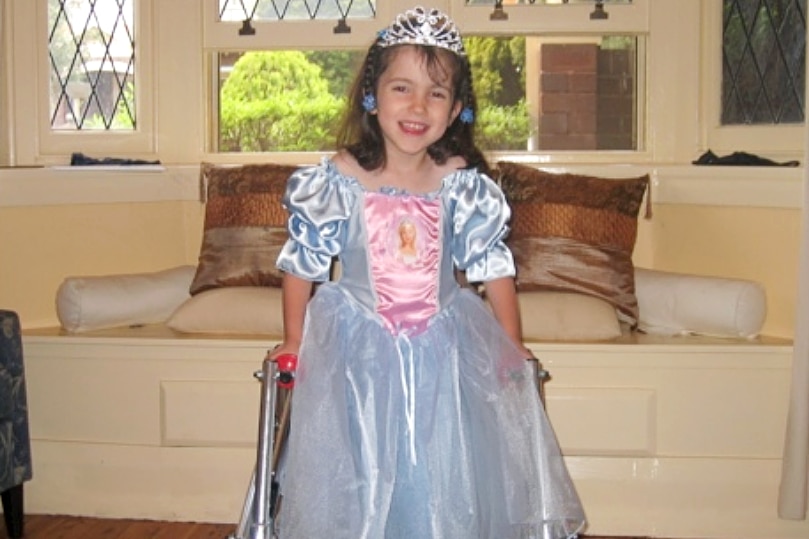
[245, 225]
[574, 233]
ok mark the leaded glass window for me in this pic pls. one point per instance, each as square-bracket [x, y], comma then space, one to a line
[91, 46]
[276, 10]
[763, 61]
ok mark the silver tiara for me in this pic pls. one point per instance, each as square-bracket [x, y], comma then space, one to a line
[419, 26]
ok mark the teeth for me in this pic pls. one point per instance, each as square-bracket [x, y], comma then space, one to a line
[413, 126]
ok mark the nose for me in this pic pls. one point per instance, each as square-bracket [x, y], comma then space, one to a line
[419, 103]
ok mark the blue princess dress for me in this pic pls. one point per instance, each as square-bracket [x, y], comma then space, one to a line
[413, 416]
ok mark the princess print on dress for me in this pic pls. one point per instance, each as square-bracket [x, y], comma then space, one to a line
[407, 234]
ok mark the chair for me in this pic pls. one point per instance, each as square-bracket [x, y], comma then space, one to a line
[15, 445]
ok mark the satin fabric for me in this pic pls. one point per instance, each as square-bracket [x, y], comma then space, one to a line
[403, 251]
[419, 419]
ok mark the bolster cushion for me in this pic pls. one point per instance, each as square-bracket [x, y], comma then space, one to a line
[678, 303]
[99, 302]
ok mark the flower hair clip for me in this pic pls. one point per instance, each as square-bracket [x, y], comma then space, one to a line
[419, 26]
[369, 102]
[467, 115]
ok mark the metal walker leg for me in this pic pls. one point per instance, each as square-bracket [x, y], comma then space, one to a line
[262, 500]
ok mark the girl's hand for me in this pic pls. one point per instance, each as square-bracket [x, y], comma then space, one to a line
[283, 348]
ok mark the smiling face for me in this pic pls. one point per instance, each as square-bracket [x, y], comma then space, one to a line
[416, 104]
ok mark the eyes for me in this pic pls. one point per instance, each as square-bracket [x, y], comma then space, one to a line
[403, 88]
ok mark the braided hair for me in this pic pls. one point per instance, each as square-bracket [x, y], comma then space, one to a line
[360, 133]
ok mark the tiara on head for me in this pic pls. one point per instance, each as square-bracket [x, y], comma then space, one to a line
[418, 26]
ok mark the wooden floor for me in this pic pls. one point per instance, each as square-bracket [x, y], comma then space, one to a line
[64, 527]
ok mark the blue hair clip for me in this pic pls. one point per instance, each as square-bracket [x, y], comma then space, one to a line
[467, 115]
[369, 102]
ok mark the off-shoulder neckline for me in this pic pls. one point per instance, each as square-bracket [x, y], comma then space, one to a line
[331, 168]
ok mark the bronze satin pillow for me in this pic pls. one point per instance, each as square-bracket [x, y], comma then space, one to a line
[574, 233]
[245, 225]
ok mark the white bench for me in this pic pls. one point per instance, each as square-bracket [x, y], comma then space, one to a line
[664, 436]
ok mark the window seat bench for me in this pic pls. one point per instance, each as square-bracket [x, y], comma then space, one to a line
[675, 436]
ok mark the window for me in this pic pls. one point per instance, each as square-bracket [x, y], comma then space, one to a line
[75, 87]
[536, 92]
[91, 48]
[753, 77]
[184, 53]
[763, 61]
[269, 10]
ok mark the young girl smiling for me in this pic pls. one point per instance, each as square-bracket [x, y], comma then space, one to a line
[415, 413]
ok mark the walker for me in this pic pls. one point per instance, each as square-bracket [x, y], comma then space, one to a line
[263, 499]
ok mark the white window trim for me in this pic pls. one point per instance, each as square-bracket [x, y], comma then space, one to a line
[763, 187]
[6, 137]
[783, 142]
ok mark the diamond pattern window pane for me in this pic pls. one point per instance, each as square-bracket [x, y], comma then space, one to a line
[763, 61]
[91, 45]
[277, 10]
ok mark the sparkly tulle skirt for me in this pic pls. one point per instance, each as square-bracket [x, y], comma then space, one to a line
[438, 435]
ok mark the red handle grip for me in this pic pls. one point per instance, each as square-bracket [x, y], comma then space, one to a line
[287, 364]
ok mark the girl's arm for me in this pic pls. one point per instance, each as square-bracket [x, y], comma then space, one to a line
[295, 293]
[502, 296]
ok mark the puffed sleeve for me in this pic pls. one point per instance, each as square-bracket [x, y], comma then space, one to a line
[319, 203]
[480, 225]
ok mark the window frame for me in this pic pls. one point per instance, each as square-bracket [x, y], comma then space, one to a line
[37, 143]
[174, 125]
[574, 20]
[549, 20]
[781, 141]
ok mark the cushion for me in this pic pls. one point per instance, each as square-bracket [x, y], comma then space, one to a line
[567, 316]
[88, 303]
[245, 225]
[678, 303]
[574, 233]
[241, 309]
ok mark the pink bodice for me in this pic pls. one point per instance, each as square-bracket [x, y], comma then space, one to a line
[404, 238]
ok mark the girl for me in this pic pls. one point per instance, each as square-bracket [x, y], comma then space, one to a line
[415, 415]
